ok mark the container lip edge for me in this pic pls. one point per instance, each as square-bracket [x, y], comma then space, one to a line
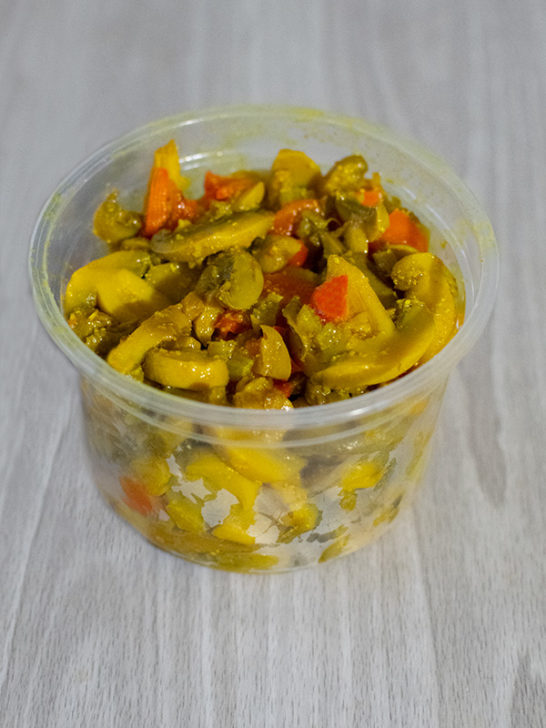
[88, 363]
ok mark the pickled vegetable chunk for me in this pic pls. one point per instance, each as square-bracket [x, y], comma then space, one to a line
[276, 289]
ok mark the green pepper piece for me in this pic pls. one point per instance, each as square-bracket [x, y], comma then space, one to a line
[238, 360]
[348, 174]
[372, 221]
[113, 223]
[96, 329]
[266, 311]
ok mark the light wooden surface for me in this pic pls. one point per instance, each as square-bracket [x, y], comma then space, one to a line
[441, 623]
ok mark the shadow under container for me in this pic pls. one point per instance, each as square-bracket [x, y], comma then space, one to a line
[253, 490]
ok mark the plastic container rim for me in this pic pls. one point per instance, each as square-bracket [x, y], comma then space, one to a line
[168, 405]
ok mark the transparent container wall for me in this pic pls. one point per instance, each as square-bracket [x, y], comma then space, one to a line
[258, 500]
[231, 496]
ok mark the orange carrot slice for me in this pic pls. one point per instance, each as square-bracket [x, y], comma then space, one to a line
[165, 204]
[288, 283]
[224, 188]
[403, 230]
[370, 198]
[288, 217]
[136, 496]
[329, 300]
[158, 201]
[285, 387]
[232, 323]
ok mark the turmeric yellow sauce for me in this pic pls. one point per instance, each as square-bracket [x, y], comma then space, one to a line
[274, 290]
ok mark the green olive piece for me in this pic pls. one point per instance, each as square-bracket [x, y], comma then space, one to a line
[113, 223]
[371, 221]
[347, 174]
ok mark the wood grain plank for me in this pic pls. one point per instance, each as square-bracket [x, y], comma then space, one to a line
[442, 622]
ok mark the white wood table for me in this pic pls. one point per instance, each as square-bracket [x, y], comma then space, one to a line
[440, 623]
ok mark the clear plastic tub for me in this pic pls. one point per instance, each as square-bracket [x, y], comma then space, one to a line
[312, 483]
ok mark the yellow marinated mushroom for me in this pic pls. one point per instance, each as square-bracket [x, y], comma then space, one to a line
[282, 473]
[235, 525]
[301, 515]
[272, 359]
[84, 282]
[194, 243]
[153, 473]
[425, 278]
[191, 541]
[383, 357]
[242, 561]
[260, 393]
[194, 370]
[233, 278]
[298, 521]
[205, 323]
[163, 326]
[262, 464]
[361, 475]
[384, 292]
[186, 514]
[128, 297]
[293, 176]
[216, 475]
